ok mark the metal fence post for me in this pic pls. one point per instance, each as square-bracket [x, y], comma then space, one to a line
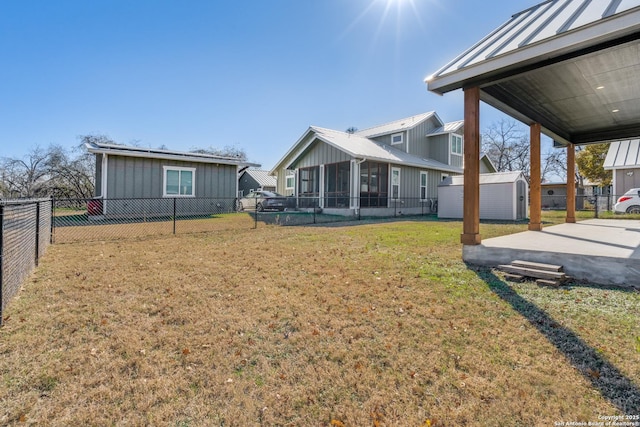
[174, 215]
[51, 227]
[596, 205]
[255, 217]
[37, 254]
[1, 264]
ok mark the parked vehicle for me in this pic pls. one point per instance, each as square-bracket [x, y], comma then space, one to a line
[263, 200]
[629, 202]
[94, 207]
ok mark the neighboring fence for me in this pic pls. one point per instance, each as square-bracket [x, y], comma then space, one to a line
[594, 203]
[107, 219]
[25, 233]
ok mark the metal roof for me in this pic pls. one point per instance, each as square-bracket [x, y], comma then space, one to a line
[397, 125]
[366, 149]
[262, 177]
[485, 178]
[447, 128]
[623, 154]
[128, 151]
[549, 20]
[570, 65]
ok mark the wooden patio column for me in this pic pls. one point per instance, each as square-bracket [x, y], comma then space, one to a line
[535, 202]
[571, 184]
[471, 204]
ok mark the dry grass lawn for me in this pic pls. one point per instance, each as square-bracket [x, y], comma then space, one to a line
[364, 325]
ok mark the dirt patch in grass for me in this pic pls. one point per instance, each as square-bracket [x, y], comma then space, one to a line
[376, 324]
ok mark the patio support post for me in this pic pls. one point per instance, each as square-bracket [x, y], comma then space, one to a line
[571, 184]
[471, 204]
[535, 203]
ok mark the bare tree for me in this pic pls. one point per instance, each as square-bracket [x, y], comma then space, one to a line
[227, 151]
[28, 176]
[554, 163]
[507, 145]
[72, 173]
[52, 171]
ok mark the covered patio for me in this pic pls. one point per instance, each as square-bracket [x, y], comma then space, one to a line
[568, 69]
[604, 251]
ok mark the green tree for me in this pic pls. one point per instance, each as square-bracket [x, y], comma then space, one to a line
[590, 163]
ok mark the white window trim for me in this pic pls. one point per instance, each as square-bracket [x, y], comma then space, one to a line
[451, 139]
[391, 183]
[401, 135]
[180, 169]
[426, 185]
[286, 182]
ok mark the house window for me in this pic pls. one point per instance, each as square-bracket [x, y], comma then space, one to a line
[337, 178]
[291, 182]
[179, 182]
[397, 138]
[373, 184]
[309, 186]
[395, 183]
[456, 144]
[423, 185]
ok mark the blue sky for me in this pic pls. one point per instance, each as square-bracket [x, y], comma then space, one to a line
[251, 74]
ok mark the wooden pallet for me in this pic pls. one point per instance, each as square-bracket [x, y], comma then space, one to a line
[545, 274]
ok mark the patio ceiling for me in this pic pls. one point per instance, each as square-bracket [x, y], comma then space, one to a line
[571, 65]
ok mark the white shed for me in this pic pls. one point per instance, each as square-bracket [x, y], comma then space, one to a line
[503, 196]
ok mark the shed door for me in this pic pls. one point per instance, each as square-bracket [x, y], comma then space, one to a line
[521, 200]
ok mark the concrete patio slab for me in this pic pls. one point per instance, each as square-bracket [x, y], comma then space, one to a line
[600, 251]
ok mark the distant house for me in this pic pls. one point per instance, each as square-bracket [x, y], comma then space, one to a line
[554, 196]
[395, 166]
[255, 180]
[127, 173]
[623, 159]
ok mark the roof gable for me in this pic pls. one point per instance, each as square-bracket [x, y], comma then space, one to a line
[451, 127]
[398, 125]
[623, 155]
[363, 148]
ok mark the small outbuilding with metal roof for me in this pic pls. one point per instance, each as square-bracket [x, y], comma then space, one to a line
[255, 180]
[503, 196]
[136, 179]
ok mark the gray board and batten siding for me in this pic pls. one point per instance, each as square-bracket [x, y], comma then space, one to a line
[139, 177]
[135, 187]
[320, 153]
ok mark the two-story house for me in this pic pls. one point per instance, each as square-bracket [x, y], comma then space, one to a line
[395, 166]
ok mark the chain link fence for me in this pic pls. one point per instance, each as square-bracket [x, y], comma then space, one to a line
[597, 205]
[109, 219]
[25, 230]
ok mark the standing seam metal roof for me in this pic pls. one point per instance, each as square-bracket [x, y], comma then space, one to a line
[397, 125]
[262, 177]
[544, 21]
[623, 154]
